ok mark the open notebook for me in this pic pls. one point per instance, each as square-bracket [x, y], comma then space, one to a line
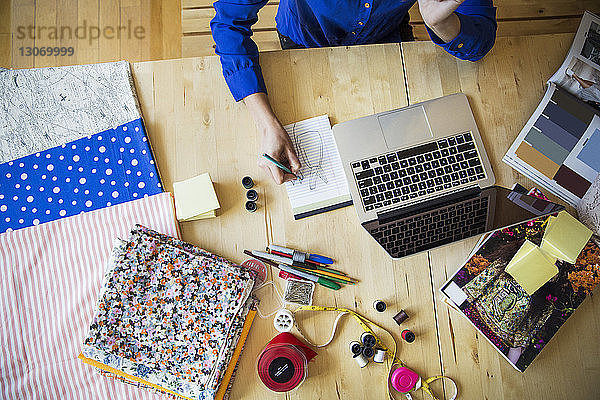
[321, 185]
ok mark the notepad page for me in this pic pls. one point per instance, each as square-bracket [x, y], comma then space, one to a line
[321, 185]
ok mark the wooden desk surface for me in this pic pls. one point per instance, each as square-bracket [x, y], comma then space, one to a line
[195, 126]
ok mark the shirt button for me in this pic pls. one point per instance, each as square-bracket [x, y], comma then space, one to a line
[367, 5]
[360, 23]
[354, 33]
[460, 45]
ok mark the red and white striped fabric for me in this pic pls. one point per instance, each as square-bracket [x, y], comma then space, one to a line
[50, 279]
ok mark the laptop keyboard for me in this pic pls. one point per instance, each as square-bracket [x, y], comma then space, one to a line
[419, 171]
[434, 228]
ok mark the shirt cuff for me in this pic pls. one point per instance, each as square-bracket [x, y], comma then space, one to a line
[245, 82]
[467, 45]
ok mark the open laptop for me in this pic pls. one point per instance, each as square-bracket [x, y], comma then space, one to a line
[420, 178]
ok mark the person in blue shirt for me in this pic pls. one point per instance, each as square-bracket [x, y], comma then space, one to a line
[464, 28]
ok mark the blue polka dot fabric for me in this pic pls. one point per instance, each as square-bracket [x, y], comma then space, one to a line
[108, 168]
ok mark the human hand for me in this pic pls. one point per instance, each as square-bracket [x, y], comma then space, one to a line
[439, 16]
[435, 12]
[274, 139]
[277, 144]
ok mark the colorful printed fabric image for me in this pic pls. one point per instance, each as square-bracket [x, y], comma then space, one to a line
[169, 313]
[93, 172]
[518, 324]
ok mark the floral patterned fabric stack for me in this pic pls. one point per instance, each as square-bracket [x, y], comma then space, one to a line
[170, 316]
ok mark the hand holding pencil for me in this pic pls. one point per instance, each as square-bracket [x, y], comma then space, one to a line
[279, 157]
[275, 140]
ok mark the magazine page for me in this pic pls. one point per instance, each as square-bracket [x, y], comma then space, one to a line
[557, 147]
[517, 324]
[580, 72]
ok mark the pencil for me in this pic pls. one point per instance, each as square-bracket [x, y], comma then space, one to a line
[330, 275]
[280, 165]
[309, 264]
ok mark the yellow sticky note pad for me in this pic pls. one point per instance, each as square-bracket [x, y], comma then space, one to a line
[194, 196]
[531, 268]
[565, 237]
[206, 215]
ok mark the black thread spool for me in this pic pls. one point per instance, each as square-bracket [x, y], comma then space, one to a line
[401, 317]
[251, 206]
[247, 182]
[355, 347]
[368, 352]
[252, 195]
[408, 336]
[368, 340]
[379, 305]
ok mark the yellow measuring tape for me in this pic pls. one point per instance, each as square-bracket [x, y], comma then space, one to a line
[364, 323]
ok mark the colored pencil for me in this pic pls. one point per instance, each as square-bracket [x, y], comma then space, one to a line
[312, 265]
[337, 278]
[278, 164]
[329, 274]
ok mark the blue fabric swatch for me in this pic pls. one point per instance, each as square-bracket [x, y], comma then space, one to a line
[97, 171]
[591, 151]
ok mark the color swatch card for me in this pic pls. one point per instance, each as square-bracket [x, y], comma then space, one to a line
[558, 147]
[96, 171]
[321, 185]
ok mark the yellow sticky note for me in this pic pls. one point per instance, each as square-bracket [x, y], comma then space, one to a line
[565, 237]
[194, 196]
[206, 215]
[531, 268]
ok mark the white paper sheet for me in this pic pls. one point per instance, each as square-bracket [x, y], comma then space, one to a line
[322, 185]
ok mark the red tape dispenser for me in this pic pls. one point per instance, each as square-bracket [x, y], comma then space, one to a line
[283, 363]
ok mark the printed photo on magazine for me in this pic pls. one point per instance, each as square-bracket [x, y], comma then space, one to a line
[580, 72]
[519, 324]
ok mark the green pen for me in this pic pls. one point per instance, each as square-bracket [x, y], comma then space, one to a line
[280, 165]
[321, 281]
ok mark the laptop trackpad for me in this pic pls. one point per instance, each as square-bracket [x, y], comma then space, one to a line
[405, 127]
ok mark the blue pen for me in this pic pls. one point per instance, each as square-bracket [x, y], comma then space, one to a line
[300, 256]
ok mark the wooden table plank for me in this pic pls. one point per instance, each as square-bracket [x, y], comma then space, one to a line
[503, 89]
[160, 19]
[204, 45]
[195, 126]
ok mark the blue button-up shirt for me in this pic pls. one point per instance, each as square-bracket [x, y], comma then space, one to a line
[320, 23]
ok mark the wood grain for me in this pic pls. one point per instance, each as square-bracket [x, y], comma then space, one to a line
[160, 19]
[5, 34]
[204, 45]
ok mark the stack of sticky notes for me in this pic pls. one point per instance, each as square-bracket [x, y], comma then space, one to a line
[565, 237]
[195, 198]
[531, 267]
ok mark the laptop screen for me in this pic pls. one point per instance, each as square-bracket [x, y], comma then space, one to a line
[454, 217]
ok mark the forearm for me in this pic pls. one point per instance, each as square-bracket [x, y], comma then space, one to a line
[259, 107]
[231, 30]
[447, 29]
